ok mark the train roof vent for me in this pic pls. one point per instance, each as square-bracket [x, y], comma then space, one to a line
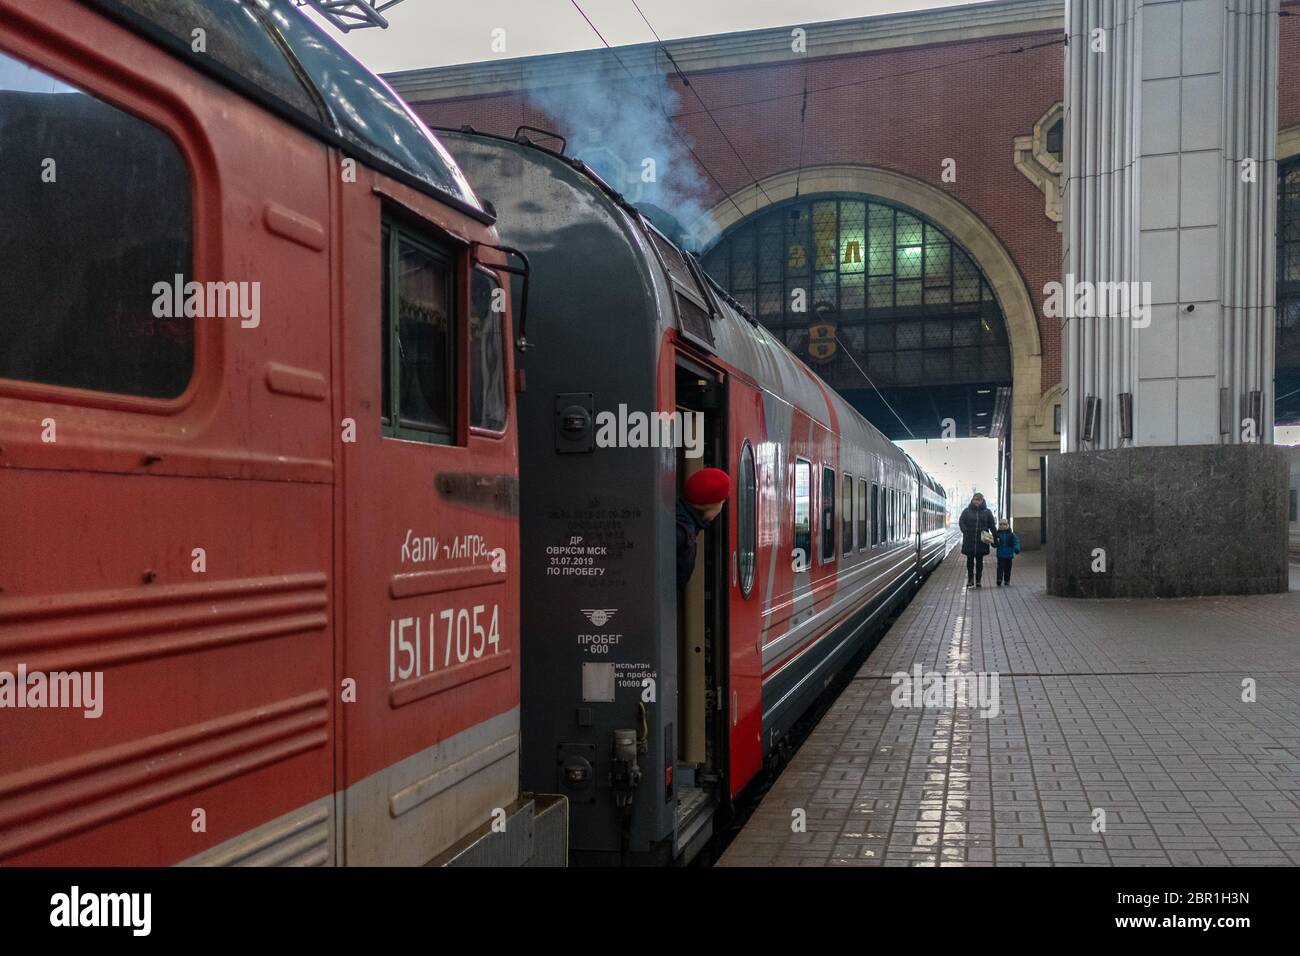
[691, 299]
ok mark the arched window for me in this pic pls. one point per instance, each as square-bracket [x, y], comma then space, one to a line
[828, 272]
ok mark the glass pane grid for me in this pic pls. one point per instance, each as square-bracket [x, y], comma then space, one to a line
[894, 287]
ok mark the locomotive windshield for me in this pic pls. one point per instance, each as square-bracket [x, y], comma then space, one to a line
[273, 48]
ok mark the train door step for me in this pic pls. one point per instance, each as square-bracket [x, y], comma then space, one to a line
[694, 821]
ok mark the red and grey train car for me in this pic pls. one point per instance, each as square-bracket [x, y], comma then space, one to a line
[649, 708]
[268, 544]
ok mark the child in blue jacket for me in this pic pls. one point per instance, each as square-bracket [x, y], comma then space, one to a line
[1008, 546]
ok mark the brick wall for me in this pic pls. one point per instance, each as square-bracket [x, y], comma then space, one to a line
[964, 100]
[1288, 107]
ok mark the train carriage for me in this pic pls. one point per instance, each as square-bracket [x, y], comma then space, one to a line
[258, 472]
[651, 709]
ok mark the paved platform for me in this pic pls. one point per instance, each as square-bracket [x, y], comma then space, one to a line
[1132, 707]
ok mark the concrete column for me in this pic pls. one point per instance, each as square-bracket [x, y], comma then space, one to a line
[1171, 179]
[1170, 214]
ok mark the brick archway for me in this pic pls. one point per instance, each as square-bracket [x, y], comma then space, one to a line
[980, 242]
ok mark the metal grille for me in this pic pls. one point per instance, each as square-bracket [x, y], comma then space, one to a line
[891, 286]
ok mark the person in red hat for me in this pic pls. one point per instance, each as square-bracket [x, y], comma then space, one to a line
[703, 498]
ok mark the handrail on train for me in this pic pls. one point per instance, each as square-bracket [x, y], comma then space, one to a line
[521, 338]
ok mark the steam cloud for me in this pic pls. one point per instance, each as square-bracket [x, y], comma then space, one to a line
[623, 132]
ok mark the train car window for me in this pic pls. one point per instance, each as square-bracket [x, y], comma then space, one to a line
[875, 514]
[96, 233]
[861, 511]
[828, 514]
[803, 511]
[487, 362]
[846, 516]
[419, 320]
[746, 522]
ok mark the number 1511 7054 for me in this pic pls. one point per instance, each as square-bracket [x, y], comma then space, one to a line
[462, 635]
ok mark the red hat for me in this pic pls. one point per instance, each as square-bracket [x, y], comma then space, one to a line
[707, 487]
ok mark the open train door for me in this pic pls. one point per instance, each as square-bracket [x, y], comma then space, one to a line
[702, 606]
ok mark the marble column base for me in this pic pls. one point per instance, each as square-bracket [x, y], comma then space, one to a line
[1170, 521]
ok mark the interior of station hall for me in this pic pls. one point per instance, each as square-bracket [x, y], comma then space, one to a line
[905, 169]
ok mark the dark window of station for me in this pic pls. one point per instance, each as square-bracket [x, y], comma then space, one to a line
[828, 514]
[1286, 365]
[95, 226]
[419, 327]
[1292, 518]
[803, 511]
[846, 516]
[746, 520]
[487, 359]
[861, 513]
[1055, 136]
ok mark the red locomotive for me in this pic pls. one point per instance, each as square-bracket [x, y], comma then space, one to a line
[258, 468]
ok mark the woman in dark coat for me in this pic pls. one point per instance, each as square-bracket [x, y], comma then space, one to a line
[974, 520]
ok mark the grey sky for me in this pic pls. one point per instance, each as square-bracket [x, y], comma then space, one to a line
[440, 32]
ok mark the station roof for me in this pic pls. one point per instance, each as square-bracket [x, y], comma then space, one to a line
[741, 49]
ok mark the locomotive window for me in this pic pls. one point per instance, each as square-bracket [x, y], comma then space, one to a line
[419, 327]
[861, 511]
[385, 331]
[828, 514]
[95, 211]
[846, 516]
[746, 500]
[803, 512]
[487, 361]
[235, 36]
